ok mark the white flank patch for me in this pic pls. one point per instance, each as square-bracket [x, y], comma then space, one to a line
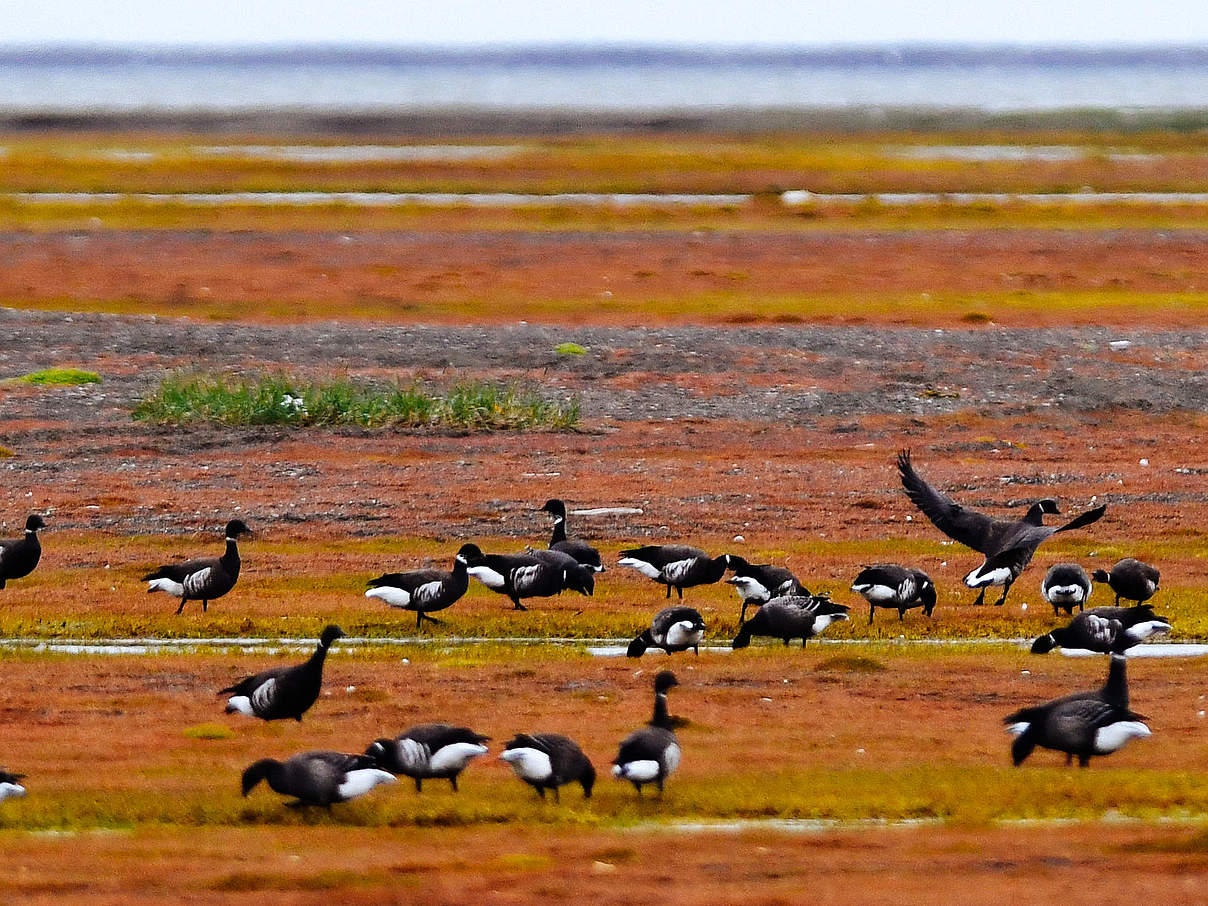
[361, 781]
[682, 635]
[241, 704]
[455, 756]
[395, 597]
[978, 579]
[675, 571]
[413, 756]
[1018, 729]
[875, 594]
[641, 566]
[641, 771]
[1099, 629]
[529, 764]
[1110, 738]
[11, 791]
[429, 590]
[195, 581]
[1139, 631]
[173, 588]
[264, 695]
[671, 757]
[487, 576]
[523, 577]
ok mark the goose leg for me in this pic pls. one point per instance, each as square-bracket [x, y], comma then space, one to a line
[419, 784]
[557, 798]
[981, 598]
[182, 606]
[679, 591]
[516, 601]
[1006, 588]
[453, 780]
[204, 604]
[432, 620]
[669, 592]
[901, 615]
[872, 608]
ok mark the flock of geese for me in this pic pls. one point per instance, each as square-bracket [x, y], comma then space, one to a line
[1081, 725]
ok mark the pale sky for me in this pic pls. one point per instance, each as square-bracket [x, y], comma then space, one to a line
[462, 22]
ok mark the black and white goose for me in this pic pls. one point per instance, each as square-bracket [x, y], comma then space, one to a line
[576, 576]
[791, 617]
[582, 551]
[317, 778]
[425, 591]
[517, 576]
[1081, 725]
[19, 556]
[429, 751]
[1130, 579]
[204, 579]
[895, 587]
[672, 629]
[1008, 546]
[547, 761]
[677, 566]
[283, 692]
[758, 583]
[1066, 585]
[652, 753]
[1107, 630]
[10, 785]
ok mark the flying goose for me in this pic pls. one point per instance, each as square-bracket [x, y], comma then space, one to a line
[672, 629]
[547, 761]
[204, 579]
[1081, 725]
[791, 617]
[677, 566]
[1130, 579]
[1107, 630]
[19, 556]
[429, 751]
[1007, 546]
[1066, 585]
[317, 778]
[10, 785]
[652, 753]
[517, 575]
[758, 583]
[425, 590]
[895, 587]
[282, 692]
[582, 551]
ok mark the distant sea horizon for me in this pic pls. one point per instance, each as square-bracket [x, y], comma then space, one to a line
[599, 78]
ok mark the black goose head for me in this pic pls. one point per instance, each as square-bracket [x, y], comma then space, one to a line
[257, 772]
[555, 508]
[236, 528]
[1041, 508]
[381, 751]
[663, 681]
[737, 564]
[467, 554]
[927, 593]
[34, 522]
[1047, 643]
[1100, 575]
[330, 634]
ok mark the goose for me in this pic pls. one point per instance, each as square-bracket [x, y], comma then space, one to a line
[651, 753]
[547, 761]
[1081, 725]
[896, 587]
[19, 556]
[758, 583]
[791, 617]
[317, 778]
[10, 785]
[425, 590]
[677, 566]
[427, 751]
[1130, 579]
[1066, 585]
[517, 576]
[204, 579]
[582, 551]
[576, 576]
[1107, 630]
[281, 692]
[672, 629]
[1008, 546]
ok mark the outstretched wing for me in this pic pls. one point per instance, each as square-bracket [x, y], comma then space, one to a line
[970, 528]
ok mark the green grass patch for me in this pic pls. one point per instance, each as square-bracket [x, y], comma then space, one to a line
[61, 377]
[570, 349]
[285, 401]
[208, 731]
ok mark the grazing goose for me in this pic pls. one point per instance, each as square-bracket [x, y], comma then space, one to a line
[1083, 724]
[317, 778]
[758, 583]
[1130, 579]
[204, 579]
[282, 692]
[652, 753]
[1066, 585]
[672, 629]
[517, 575]
[1107, 630]
[547, 761]
[429, 751]
[582, 551]
[895, 587]
[425, 590]
[19, 556]
[791, 617]
[576, 576]
[1007, 546]
[677, 566]
[10, 786]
